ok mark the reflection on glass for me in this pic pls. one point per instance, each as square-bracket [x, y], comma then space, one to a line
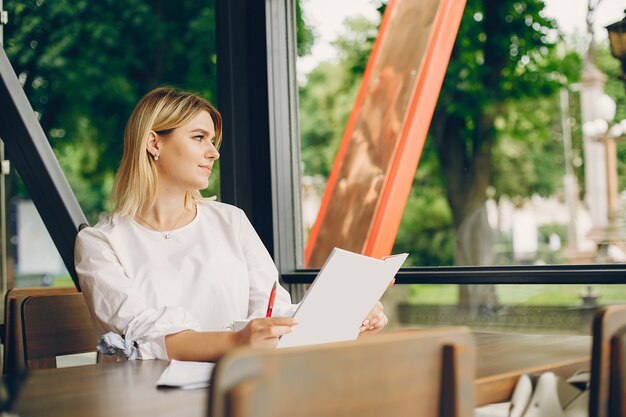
[545, 309]
[32, 258]
[373, 135]
[504, 178]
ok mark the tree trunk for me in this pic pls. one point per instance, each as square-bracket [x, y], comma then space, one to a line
[465, 154]
[467, 164]
[474, 246]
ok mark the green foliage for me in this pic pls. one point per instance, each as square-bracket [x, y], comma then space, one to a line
[325, 105]
[304, 33]
[529, 157]
[505, 52]
[500, 96]
[614, 87]
[85, 64]
[617, 90]
[356, 44]
[426, 231]
[327, 98]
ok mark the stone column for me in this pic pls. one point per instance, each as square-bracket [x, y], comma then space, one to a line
[592, 86]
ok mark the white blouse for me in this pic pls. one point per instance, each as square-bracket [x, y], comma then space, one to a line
[207, 274]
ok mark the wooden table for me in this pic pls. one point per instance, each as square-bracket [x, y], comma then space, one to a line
[107, 390]
[503, 357]
[128, 388]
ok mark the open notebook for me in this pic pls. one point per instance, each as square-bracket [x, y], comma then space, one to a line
[186, 375]
[343, 293]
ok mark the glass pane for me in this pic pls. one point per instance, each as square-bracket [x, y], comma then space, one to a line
[507, 175]
[33, 258]
[83, 70]
[541, 309]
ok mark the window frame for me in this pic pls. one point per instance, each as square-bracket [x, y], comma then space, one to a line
[244, 29]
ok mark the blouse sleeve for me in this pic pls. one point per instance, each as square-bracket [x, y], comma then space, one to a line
[262, 274]
[116, 304]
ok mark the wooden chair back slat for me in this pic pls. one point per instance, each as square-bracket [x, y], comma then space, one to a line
[607, 393]
[55, 325]
[617, 394]
[427, 373]
[13, 357]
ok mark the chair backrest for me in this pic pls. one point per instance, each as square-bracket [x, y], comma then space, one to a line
[55, 325]
[617, 396]
[13, 357]
[426, 373]
[608, 371]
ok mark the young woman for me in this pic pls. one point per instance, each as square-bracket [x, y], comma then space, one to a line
[168, 269]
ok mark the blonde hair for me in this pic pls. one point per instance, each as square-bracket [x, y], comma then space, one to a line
[161, 110]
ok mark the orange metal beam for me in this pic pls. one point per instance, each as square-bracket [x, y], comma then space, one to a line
[400, 177]
[409, 82]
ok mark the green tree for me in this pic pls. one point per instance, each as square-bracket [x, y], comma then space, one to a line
[505, 52]
[327, 97]
[85, 64]
[614, 87]
[494, 125]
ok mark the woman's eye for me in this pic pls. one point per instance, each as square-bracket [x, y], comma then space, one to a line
[198, 138]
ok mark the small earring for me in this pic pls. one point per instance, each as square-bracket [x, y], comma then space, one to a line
[156, 156]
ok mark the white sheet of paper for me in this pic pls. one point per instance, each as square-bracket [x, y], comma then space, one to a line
[343, 293]
[186, 375]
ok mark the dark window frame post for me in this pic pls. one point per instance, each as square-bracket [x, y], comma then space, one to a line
[257, 96]
[32, 156]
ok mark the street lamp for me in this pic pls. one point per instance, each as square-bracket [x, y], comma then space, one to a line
[604, 130]
[617, 38]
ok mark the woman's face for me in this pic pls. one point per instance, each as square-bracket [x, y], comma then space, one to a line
[186, 155]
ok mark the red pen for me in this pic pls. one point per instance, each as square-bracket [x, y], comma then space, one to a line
[270, 305]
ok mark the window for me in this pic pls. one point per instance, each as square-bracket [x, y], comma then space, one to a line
[83, 70]
[502, 193]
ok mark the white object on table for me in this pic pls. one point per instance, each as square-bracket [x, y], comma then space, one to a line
[186, 375]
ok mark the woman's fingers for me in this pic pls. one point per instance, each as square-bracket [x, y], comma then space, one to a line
[376, 327]
[373, 314]
[380, 323]
[375, 320]
[266, 331]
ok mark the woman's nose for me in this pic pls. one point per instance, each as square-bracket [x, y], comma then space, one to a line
[212, 153]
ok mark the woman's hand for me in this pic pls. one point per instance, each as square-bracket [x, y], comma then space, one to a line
[375, 320]
[264, 332]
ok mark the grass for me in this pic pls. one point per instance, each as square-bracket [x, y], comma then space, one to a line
[527, 294]
[65, 281]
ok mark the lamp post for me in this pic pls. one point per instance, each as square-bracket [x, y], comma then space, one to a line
[617, 38]
[607, 132]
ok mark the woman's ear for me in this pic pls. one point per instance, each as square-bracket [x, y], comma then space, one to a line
[153, 144]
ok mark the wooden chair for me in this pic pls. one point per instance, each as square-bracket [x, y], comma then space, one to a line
[424, 373]
[13, 357]
[55, 325]
[607, 395]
